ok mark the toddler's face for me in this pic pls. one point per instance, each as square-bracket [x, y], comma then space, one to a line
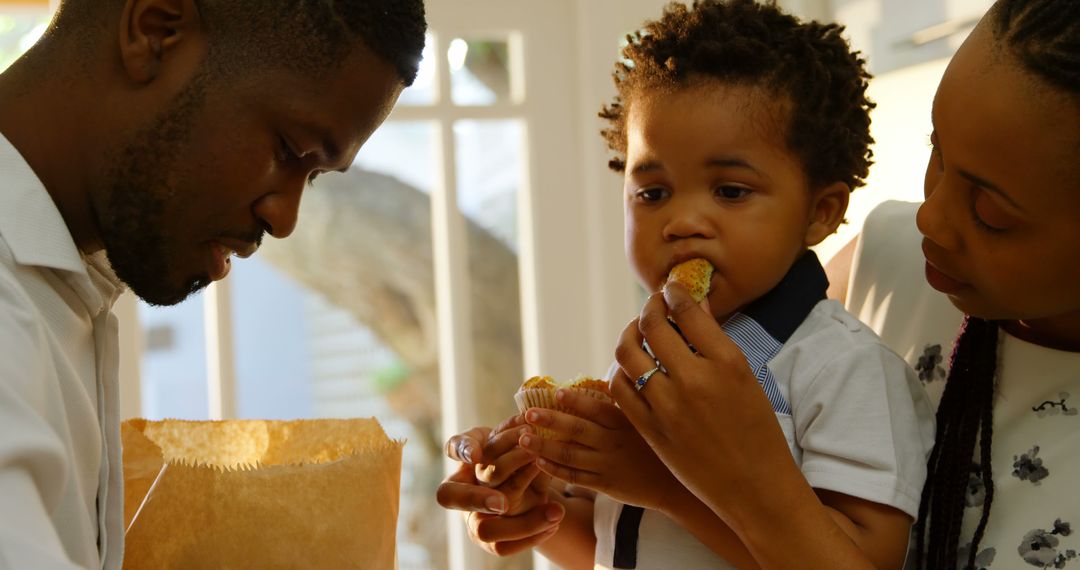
[708, 175]
[1001, 221]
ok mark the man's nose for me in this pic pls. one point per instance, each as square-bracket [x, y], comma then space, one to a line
[278, 211]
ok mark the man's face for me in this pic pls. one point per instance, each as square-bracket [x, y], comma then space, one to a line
[226, 162]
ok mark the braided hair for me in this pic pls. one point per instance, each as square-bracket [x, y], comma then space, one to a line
[1044, 37]
[964, 415]
[809, 65]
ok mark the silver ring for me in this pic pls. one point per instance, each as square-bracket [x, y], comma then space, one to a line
[642, 380]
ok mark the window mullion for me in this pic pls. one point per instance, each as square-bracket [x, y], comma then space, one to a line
[220, 351]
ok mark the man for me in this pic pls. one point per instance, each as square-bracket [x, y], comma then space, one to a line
[142, 143]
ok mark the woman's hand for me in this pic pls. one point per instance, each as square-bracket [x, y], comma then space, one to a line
[707, 417]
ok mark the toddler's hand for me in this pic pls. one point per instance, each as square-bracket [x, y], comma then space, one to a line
[602, 452]
[512, 470]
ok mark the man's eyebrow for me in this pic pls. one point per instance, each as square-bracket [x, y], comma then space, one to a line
[990, 186]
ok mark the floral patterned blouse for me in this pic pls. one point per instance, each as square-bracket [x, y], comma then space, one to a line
[1035, 455]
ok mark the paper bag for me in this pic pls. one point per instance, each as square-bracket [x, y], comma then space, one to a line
[234, 495]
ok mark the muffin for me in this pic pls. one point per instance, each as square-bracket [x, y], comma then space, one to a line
[539, 392]
[695, 275]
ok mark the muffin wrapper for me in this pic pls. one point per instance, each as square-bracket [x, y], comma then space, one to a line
[545, 398]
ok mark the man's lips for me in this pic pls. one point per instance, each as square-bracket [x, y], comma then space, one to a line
[220, 252]
[242, 249]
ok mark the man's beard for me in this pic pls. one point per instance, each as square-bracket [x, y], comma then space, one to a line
[141, 198]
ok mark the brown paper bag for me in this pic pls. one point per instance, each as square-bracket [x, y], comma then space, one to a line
[234, 495]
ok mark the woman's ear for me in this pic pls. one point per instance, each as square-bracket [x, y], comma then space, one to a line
[150, 30]
[827, 209]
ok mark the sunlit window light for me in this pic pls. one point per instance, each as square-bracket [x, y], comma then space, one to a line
[456, 54]
[31, 37]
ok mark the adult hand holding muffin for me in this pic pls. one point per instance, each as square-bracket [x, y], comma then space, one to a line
[706, 413]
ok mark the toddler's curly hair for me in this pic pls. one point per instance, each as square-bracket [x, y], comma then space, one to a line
[809, 66]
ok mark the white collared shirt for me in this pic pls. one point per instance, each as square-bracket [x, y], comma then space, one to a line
[61, 495]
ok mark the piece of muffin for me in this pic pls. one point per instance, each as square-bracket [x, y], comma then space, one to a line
[539, 392]
[695, 275]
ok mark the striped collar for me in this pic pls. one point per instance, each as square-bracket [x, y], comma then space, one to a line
[761, 329]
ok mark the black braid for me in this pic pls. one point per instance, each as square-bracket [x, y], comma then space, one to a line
[965, 415]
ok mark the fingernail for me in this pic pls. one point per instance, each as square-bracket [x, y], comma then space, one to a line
[553, 513]
[534, 416]
[467, 453]
[526, 440]
[495, 503]
[673, 296]
[542, 462]
[560, 395]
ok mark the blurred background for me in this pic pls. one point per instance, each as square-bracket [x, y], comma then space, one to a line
[477, 240]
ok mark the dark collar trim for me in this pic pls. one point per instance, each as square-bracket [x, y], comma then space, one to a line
[783, 309]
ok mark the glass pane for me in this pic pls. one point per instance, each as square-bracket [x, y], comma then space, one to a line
[273, 350]
[423, 91]
[20, 27]
[404, 150]
[490, 168]
[480, 71]
[338, 319]
[173, 362]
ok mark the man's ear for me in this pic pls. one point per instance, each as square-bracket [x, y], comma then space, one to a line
[150, 30]
[827, 210]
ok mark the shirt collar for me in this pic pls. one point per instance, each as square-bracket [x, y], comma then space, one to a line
[37, 235]
[30, 223]
[785, 307]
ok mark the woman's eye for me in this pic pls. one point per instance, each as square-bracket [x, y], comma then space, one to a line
[654, 194]
[732, 192]
[989, 215]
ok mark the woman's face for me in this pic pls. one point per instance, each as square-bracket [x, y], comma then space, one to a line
[1001, 221]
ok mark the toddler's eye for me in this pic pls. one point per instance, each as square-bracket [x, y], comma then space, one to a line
[729, 192]
[653, 194]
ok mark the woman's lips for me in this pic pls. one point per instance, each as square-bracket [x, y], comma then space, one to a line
[941, 281]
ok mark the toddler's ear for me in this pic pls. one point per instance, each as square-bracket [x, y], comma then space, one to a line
[827, 210]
